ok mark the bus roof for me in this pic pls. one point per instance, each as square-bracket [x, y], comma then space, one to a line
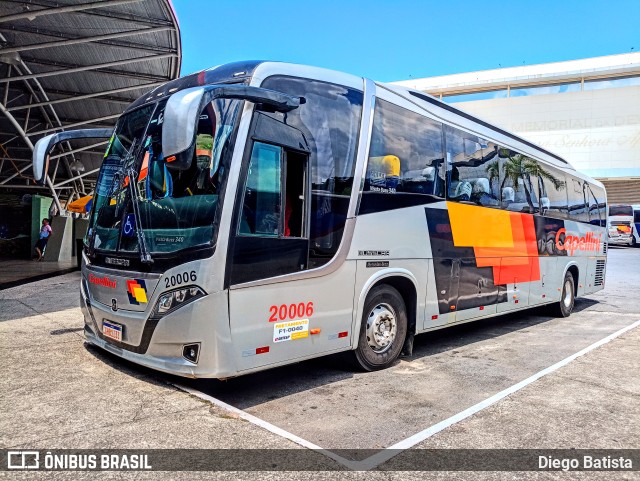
[245, 71]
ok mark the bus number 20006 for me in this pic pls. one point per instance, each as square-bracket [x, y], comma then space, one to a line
[290, 311]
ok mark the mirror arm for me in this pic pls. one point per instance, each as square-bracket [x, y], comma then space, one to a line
[44, 146]
[184, 107]
[279, 101]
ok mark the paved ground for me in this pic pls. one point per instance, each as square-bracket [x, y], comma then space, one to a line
[15, 272]
[55, 392]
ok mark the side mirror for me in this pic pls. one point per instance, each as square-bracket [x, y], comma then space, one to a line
[183, 109]
[272, 131]
[44, 146]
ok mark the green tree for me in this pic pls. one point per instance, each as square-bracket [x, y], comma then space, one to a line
[493, 169]
[519, 166]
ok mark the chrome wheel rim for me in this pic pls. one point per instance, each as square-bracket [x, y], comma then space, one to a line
[567, 294]
[382, 328]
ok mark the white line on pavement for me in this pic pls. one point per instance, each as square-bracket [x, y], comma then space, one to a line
[388, 453]
[391, 451]
[268, 426]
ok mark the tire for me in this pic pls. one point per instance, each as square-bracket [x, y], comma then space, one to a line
[383, 329]
[568, 298]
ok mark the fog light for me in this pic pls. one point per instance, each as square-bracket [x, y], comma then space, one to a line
[172, 300]
[180, 295]
[190, 352]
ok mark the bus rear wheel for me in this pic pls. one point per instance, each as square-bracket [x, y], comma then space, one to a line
[568, 297]
[383, 329]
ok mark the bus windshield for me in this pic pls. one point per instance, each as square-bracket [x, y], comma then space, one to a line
[176, 208]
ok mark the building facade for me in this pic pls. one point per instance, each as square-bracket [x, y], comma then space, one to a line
[587, 111]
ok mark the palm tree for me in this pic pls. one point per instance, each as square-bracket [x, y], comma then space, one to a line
[533, 167]
[519, 166]
[493, 169]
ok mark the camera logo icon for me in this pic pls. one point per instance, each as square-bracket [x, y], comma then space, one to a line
[23, 460]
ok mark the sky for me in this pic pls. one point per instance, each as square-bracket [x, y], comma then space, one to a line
[404, 39]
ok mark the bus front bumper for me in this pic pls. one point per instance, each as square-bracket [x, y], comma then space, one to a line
[626, 240]
[192, 324]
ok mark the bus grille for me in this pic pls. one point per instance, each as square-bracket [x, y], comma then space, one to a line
[599, 280]
[604, 248]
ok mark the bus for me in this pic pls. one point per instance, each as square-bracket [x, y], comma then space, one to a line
[621, 225]
[636, 226]
[258, 214]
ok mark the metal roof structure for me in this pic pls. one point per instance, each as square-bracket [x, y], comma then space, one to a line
[69, 64]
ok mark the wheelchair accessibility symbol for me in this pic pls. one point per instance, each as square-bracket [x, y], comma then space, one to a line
[129, 227]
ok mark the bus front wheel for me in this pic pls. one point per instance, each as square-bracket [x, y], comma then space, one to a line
[383, 329]
[568, 297]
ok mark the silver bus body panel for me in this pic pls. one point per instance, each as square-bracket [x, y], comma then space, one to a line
[268, 69]
[415, 270]
[107, 285]
[256, 313]
[204, 321]
[220, 255]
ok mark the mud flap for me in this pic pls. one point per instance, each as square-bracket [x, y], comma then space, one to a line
[407, 348]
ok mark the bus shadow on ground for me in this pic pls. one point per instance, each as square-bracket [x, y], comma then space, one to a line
[258, 388]
[460, 335]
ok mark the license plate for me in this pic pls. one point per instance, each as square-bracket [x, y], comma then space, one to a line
[112, 330]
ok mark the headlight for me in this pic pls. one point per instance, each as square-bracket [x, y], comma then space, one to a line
[165, 302]
[172, 300]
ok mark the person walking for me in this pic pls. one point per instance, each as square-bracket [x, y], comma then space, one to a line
[45, 235]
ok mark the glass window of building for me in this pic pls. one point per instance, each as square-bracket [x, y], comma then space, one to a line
[545, 89]
[611, 83]
[470, 97]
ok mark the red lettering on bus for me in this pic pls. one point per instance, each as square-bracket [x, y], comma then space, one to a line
[102, 281]
[573, 243]
[290, 311]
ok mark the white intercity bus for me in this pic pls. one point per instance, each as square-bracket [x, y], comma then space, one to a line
[636, 226]
[260, 213]
[620, 225]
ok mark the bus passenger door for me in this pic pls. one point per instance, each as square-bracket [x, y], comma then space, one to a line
[273, 322]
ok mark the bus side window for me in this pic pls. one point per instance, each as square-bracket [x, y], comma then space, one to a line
[263, 213]
[578, 209]
[261, 201]
[595, 216]
[294, 224]
[473, 169]
[553, 190]
[330, 121]
[406, 160]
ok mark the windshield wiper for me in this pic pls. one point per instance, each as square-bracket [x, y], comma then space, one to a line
[115, 183]
[145, 256]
